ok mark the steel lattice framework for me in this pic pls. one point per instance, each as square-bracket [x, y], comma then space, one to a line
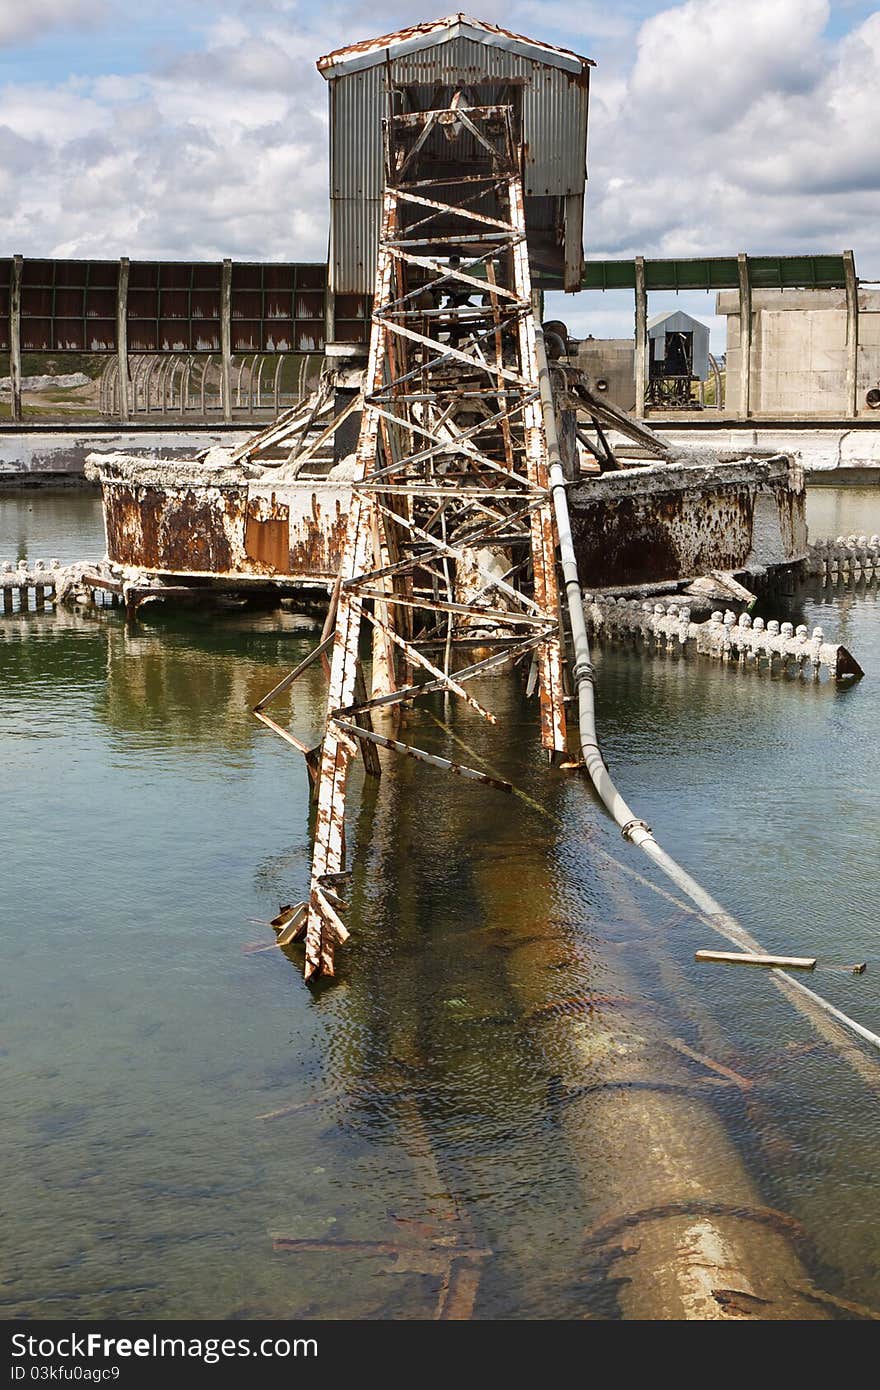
[450, 542]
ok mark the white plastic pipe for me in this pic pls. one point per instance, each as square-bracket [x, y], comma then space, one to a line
[633, 828]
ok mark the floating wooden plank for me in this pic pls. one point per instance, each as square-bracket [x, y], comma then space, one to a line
[295, 928]
[284, 915]
[750, 958]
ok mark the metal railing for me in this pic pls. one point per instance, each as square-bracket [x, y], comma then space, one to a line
[191, 385]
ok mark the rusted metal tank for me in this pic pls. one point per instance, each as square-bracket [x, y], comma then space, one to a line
[666, 522]
[636, 526]
[178, 518]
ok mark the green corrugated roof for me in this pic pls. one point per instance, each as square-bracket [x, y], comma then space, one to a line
[719, 273]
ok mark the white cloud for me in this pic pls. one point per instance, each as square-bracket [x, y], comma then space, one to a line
[739, 124]
[827, 140]
[54, 114]
[722, 54]
[741, 127]
[20, 21]
[598, 21]
[219, 152]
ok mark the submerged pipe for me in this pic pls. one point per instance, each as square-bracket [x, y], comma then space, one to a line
[632, 827]
[693, 1236]
[673, 1224]
[676, 1221]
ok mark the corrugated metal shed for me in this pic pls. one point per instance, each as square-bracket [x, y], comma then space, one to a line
[677, 321]
[549, 86]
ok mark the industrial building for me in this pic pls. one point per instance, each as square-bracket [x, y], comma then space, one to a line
[813, 344]
[547, 90]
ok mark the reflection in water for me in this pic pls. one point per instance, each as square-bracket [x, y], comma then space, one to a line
[61, 523]
[842, 511]
[196, 684]
[497, 967]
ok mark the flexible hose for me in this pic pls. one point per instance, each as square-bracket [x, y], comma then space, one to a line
[632, 827]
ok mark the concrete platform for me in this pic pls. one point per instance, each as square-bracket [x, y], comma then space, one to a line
[836, 451]
[59, 451]
[830, 450]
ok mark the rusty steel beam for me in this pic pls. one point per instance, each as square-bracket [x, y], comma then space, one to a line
[329, 850]
[420, 755]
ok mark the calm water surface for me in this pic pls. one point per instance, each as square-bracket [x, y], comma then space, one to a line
[148, 818]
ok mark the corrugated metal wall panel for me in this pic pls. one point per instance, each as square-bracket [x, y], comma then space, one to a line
[357, 106]
[554, 108]
[355, 242]
[555, 129]
[554, 115]
[460, 60]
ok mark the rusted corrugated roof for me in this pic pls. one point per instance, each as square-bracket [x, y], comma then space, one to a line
[416, 36]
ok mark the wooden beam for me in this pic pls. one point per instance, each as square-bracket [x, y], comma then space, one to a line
[750, 958]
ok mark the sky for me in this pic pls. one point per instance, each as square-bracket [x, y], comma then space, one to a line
[185, 129]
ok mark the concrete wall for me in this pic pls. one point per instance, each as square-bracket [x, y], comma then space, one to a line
[610, 360]
[30, 449]
[829, 453]
[799, 350]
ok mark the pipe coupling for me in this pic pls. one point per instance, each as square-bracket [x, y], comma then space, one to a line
[633, 825]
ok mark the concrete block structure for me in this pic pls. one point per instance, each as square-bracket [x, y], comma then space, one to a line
[610, 366]
[800, 351]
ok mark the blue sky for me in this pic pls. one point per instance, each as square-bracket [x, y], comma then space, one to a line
[118, 39]
[194, 129]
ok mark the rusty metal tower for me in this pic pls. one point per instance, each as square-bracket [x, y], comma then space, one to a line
[450, 545]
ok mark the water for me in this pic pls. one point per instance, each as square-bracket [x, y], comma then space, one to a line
[148, 817]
